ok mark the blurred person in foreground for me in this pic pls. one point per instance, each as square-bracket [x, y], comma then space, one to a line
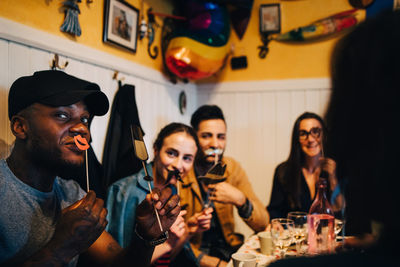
[362, 115]
[44, 219]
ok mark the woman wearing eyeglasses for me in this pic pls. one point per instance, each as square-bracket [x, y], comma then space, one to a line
[294, 180]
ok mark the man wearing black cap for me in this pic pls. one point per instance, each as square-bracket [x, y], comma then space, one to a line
[45, 219]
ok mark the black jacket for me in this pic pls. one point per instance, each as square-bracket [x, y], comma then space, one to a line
[119, 159]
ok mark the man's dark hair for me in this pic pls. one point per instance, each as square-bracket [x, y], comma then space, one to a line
[206, 112]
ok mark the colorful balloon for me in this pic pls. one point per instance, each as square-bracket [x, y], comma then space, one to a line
[197, 47]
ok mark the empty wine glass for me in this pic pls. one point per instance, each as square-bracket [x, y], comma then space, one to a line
[339, 206]
[300, 229]
[338, 225]
[282, 234]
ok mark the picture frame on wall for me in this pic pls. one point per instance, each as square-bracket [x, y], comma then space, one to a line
[120, 24]
[270, 18]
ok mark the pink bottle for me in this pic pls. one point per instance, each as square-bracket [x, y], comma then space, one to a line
[320, 220]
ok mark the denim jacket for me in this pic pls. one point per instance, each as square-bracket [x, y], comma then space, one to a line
[122, 199]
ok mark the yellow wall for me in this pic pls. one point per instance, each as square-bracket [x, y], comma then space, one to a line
[48, 15]
[284, 61]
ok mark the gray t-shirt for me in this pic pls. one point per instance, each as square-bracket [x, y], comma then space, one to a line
[28, 217]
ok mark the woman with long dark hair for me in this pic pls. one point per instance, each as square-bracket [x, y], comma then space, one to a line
[294, 180]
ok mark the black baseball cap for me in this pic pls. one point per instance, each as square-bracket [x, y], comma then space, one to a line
[55, 88]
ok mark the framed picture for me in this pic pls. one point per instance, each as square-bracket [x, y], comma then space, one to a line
[120, 24]
[270, 18]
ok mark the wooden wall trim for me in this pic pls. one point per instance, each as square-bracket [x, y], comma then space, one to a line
[265, 86]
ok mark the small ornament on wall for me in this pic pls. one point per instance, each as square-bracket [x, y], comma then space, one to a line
[151, 31]
[182, 102]
[270, 22]
[71, 22]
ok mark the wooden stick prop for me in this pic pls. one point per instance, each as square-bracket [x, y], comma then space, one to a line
[177, 175]
[83, 144]
[141, 153]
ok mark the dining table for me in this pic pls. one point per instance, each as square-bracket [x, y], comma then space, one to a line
[252, 246]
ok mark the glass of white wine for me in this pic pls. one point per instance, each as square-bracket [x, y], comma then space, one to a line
[300, 230]
[282, 234]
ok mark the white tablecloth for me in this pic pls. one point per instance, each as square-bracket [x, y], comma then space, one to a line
[252, 246]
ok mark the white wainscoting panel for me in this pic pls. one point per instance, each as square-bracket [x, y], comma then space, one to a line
[260, 118]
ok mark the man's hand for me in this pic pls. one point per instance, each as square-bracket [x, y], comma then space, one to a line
[200, 221]
[78, 227]
[168, 210]
[226, 193]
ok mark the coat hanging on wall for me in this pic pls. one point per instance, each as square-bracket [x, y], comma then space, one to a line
[119, 158]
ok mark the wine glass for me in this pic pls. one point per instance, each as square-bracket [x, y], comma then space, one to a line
[338, 204]
[300, 229]
[282, 234]
[338, 225]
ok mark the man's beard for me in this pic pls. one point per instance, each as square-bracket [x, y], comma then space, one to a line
[51, 159]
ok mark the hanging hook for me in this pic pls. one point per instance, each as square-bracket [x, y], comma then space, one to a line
[56, 65]
[115, 77]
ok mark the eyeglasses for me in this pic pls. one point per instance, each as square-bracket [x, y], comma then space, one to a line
[315, 132]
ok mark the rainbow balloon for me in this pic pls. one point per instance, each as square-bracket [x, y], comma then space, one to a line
[199, 46]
